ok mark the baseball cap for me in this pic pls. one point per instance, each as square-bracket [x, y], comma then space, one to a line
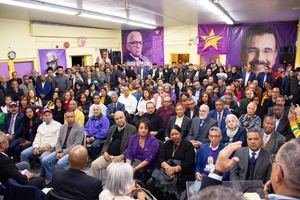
[47, 111]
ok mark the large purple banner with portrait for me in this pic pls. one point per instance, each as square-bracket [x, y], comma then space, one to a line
[258, 44]
[52, 58]
[143, 46]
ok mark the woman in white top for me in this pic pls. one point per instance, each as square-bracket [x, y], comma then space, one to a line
[146, 97]
[120, 184]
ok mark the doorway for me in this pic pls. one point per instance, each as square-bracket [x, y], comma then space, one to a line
[77, 60]
[183, 58]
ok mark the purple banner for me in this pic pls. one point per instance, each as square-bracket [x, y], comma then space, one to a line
[145, 46]
[261, 44]
[256, 44]
[52, 58]
[212, 39]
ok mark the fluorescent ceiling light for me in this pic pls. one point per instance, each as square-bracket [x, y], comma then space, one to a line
[141, 25]
[46, 8]
[103, 17]
[210, 6]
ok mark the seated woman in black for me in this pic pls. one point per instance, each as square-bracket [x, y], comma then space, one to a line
[31, 124]
[59, 111]
[176, 166]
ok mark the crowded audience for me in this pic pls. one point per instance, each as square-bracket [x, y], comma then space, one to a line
[158, 126]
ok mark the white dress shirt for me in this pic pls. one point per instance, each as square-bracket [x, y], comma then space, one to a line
[179, 120]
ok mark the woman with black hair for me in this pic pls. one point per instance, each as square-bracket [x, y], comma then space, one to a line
[31, 124]
[59, 111]
[176, 161]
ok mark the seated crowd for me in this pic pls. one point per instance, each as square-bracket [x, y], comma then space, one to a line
[161, 131]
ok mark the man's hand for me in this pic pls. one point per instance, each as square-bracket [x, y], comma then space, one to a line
[10, 137]
[196, 143]
[118, 159]
[59, 155]
[223, 163]
[267, 188]
[106, 157]
[198, 176]
[35, 151]
[25, 143]
[28, 174]
[90, 139]
[47, 147]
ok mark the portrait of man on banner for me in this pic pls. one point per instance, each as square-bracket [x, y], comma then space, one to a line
[52, 58]
[259, 48]
[134, 47]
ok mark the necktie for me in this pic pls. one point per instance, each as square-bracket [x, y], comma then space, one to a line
[115, 108]
[67, 137]
[252, 162]
[265, 138]
[265, 78]
[219, 119]
[12, 121]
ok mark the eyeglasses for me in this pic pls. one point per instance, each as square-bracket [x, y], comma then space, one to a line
[272, 161]
[214, 136]
[136, 43]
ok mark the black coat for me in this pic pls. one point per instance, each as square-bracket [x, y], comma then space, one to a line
[75, 184]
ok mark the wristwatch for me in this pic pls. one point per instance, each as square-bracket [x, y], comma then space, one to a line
[218, 172]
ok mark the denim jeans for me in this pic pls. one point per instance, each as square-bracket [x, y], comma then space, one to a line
[94, 148]
[49, 163]
[27, 154]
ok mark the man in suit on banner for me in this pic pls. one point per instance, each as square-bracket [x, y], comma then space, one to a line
[134, 46]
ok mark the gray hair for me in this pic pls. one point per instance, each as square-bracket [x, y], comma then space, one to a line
[218, 193]
[289, 159]
[232, 116]
[215, 128]
[119, 178]
[252, 103]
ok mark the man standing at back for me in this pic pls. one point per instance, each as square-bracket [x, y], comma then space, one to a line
[74, 183]
[61, 81]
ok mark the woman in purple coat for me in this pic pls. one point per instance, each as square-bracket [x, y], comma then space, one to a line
[142, 152]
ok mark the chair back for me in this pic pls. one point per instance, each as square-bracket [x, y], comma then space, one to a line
[51, 195]
[16, 191]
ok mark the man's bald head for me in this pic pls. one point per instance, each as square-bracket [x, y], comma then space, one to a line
[73, 105]
[78, 157]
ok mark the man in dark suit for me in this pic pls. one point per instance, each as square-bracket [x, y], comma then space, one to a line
[13, 127]
[113, 107]
[200, 127]
[282, 124]
[9, 170]
[280, 100]
[70, 134]
[154, 72]
[272, 139]
[219, 113]
[179, 119]
[74, 183]
[248, 75]
[43, 89]
[265, 76]
[115, 145]
[193, 110]
[253, 160]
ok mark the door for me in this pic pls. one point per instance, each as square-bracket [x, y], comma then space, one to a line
[23, 68]
[77, 60]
